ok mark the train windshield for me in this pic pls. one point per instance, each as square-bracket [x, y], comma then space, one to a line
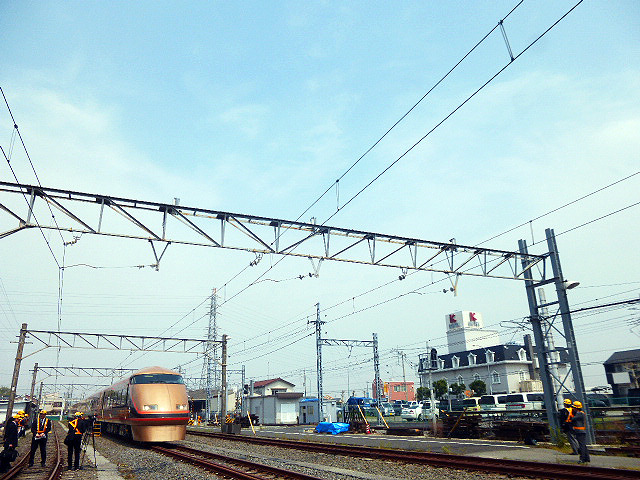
[155, 378]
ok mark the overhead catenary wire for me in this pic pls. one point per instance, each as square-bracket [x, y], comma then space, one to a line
[441, 122]
[384, 135]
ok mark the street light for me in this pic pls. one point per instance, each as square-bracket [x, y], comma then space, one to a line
[569, 284]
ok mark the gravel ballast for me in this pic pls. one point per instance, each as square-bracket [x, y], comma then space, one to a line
[139, 463]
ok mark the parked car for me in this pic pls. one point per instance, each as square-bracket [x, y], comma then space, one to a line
[525, 402]
[493, 403]
[418, 411]
[398, 405]
[387, 409]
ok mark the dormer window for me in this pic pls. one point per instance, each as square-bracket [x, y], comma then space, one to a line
[522, 355]
[472, 359]
[440, 364]
[491, 356]
[455, 361]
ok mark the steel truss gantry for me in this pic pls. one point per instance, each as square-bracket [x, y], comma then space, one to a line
[87, 213]
[344, 343]
[102, 341]
[84, 371]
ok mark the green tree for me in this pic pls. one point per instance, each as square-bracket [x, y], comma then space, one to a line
[440, 388]
[423, 393]
[479, 387]
[5, 391]
[458, 389]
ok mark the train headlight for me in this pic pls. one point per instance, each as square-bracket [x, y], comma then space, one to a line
[182, 406]
[150, 407]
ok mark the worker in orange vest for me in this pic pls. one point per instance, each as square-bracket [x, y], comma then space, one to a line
[40, 428]
[77, 426]
[579, 424]
[566, 415]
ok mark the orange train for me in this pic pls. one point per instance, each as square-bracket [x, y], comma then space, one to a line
[150, 405]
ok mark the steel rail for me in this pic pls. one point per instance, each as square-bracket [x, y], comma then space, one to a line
[194, 456]
[53, 473]
[507, 467]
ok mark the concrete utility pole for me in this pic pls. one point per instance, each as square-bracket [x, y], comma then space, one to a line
[16, 371]
[33, 381]
[223, 402]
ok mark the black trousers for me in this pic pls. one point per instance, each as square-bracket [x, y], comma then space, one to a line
[73, 450]
[35, 443]
[582, 446]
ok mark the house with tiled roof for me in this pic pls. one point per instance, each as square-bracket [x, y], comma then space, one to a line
[272, 386]
[623, 372]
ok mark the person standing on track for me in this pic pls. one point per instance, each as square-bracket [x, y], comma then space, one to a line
[566, 415]
[40, 428]
[579, 424]
[76, 429]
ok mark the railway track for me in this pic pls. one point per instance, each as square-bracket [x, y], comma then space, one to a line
[219, 464]
[501, 466]
[53, 466]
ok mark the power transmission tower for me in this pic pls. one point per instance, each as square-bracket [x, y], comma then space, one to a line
[210, 366]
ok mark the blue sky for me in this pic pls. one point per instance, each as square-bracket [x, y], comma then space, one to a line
[258, 108]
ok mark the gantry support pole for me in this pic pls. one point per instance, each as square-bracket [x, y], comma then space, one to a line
[541, 352]
[376, 375]
[16, 371]
[223, 401]
[319, 361]
[569, 335]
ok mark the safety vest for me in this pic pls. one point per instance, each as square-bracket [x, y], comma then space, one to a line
[42, 426]
[580, 421]
[74, 424]
[570, 416]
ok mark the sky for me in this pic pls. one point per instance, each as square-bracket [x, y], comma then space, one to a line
[258, 108]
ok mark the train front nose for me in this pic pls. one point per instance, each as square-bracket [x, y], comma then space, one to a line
[159, 412]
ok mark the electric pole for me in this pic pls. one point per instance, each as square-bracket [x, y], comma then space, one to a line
[16, 371]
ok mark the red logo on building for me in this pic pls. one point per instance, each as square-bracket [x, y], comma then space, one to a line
[452, 318]
[472, 317]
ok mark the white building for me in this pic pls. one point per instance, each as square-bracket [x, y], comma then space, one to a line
[274, 402]
[476, 353]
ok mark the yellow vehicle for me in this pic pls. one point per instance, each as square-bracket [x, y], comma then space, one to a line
[471, 404]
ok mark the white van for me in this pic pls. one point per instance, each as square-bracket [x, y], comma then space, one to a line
[493, 403]
[525, 401]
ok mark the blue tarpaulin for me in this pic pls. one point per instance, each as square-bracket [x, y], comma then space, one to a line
[332, 428]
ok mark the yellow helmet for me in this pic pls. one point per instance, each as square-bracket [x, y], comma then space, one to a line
[21, 412]
[43, 412]
[78, 414]
[577, 404]
[567, 401]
